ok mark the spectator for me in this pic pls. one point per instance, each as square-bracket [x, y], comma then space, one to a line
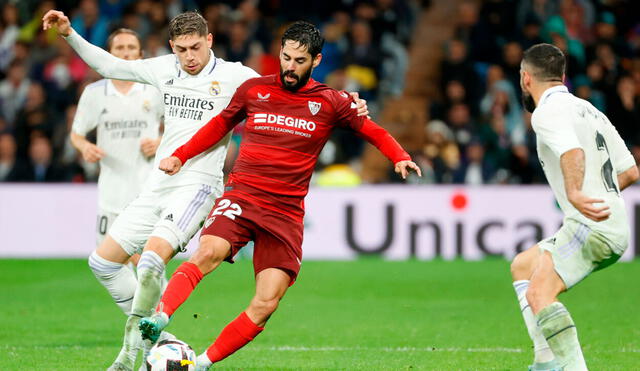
[583, 90]
[35, 116]
[475, 169]
[624, 112]
[90, 24]
[457, 66]
[363, 58]
[9, 165]
[461, 124]
[501, 101]
[13, 91]
[8, 34]
[41, 166]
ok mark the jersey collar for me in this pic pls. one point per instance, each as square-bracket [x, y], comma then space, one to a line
[552, 90]
[207, 70]
[111, 89]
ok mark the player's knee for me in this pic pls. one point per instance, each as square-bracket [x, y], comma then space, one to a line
[102, 267]
[519, 267]
[209, 255]
[264, 307]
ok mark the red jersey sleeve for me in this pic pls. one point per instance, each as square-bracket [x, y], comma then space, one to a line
[347, 116]
[346, 111]
[213, 131]
[381, 138]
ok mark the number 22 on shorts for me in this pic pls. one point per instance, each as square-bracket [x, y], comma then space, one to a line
[228, 209]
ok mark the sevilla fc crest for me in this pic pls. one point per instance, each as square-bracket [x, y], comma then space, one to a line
[314, 107]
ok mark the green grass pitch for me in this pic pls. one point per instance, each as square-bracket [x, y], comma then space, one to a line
[361, 315]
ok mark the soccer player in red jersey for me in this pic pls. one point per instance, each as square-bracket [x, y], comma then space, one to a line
[289, 117]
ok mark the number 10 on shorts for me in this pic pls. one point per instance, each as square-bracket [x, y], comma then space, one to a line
[228, 209]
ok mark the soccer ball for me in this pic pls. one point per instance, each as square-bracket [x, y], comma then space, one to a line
[171, 355]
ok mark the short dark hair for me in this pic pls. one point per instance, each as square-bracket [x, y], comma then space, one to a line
[188, 23]
[307, 35]
[545, 62]
[120, 31]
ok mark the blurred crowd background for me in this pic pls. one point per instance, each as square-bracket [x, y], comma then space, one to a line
[473, 128]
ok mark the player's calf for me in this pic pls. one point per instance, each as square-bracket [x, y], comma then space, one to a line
[119, 280]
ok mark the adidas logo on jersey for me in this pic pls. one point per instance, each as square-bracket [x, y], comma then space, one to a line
[104, 111]
[168, 83]
[270, 118]
[169, 217]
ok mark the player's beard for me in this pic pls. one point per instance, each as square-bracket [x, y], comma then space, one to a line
[300, 80]
[528, 102]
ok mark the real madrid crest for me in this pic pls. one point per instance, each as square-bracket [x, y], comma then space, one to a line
[146, 106]
[214, 89]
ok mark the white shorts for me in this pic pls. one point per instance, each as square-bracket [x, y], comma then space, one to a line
[174, 214]
[577, 251]
[103, 224]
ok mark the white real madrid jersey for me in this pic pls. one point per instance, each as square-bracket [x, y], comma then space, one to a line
[563, 122]
[190, 101]
[121, 120]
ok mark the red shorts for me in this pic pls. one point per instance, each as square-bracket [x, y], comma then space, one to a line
[277, 238]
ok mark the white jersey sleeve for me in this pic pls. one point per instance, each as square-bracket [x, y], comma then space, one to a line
[86, 118]
[556, 129]
[111, 67]
[621, 157]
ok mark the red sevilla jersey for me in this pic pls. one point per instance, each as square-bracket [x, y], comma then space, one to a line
[284, 134]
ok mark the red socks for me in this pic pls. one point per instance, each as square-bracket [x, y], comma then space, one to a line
[233, 337]
[180, 286]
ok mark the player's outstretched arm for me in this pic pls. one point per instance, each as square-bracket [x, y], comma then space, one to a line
[100, 60]
[389, 147]
[202, 140]
[572, 163]
[170, 165]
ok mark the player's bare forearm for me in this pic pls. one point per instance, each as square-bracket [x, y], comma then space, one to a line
[628, 177]
[90, 152]
[572, 165]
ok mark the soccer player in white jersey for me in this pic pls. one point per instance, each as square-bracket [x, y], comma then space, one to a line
[127, 117]
[587, 165]
[195, 86]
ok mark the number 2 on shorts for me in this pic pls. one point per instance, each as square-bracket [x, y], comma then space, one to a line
[228, 209]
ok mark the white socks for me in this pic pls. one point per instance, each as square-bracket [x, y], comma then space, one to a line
[119, 280]
[203, 360]
[542, 351]
[150, 273]
[558, 328]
